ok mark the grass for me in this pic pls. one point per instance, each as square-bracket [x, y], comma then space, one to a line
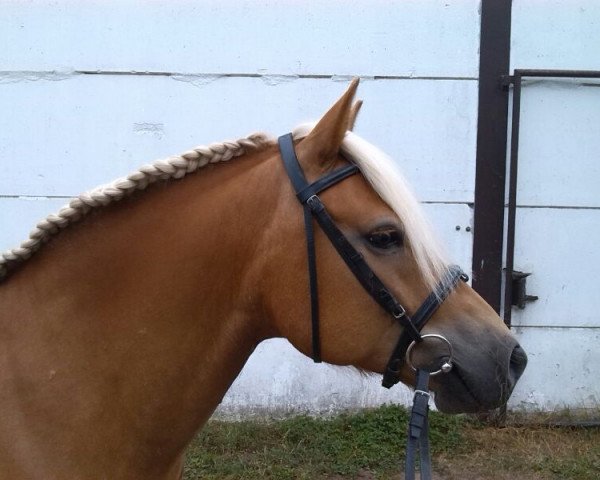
[370, 445]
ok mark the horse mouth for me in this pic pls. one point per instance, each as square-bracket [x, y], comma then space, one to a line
[462, 392]
[456, 395]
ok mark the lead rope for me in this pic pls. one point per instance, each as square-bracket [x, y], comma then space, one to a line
[418, 424]
[418, 431]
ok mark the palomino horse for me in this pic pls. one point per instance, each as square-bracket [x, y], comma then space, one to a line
[120, 337]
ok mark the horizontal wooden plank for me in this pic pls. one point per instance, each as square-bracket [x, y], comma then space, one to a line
[562, 369]
[358, 37]
[560, 247]
[555, 34]
[66, 136]
[559, 144]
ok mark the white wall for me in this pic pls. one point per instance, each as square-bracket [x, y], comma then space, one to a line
[221, 70]
[558, 214]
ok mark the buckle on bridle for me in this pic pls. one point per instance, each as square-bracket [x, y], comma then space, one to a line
[398, 312]
[314, 203]
[423, 392]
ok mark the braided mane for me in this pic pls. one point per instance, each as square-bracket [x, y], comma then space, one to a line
[174, 167]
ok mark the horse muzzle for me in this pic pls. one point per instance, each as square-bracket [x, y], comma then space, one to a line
[478, 386]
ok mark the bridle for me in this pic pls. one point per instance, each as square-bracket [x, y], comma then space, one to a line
[307, 194]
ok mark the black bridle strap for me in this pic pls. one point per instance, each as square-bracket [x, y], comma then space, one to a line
[314, 290]
[419, 319]
[303, 189]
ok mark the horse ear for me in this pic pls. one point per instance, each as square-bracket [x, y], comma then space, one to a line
[354, 114]
[322, 144]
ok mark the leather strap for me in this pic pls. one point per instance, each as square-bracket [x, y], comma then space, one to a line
[361, 270]
[305, 190]
[418, 425]
[312, 285]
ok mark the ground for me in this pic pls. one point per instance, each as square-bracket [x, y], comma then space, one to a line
[369, 445]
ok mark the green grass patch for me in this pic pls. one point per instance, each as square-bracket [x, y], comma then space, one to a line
[309, 448]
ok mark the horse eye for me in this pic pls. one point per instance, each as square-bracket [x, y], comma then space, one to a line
[385, 239]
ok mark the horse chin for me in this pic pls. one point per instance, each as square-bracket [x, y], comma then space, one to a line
[452, 403]
[453, 395]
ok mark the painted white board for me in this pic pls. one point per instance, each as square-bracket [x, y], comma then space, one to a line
[562, 369]
[559, 143]
[555, 34]
[66, 136]
[560, 248]
[311, 37]
[558, 221]
[18, 217]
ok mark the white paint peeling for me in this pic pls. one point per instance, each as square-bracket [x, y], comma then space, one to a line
[198, 80]
[347, 78]
[32, 76]
[273, 80]
[156, 130]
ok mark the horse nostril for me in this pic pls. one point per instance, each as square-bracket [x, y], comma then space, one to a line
[518, 362]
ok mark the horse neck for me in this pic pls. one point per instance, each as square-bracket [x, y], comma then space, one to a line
[146, 309]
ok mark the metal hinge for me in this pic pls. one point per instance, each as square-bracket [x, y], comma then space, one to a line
[519, 295]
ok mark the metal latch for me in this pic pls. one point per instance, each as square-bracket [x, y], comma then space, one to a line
[519, 295]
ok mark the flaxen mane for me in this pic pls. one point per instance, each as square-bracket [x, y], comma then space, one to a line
[376, 167]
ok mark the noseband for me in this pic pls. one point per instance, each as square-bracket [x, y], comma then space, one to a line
[307, 194]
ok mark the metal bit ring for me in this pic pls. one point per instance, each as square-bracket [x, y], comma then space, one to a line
[446, 366]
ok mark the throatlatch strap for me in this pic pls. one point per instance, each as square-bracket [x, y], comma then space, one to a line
[313, 286]
[304, 191]
[418, 435]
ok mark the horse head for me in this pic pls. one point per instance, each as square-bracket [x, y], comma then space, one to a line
[378, 215]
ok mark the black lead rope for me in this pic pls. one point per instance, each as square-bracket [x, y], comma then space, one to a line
[418, 431]
[313, 208]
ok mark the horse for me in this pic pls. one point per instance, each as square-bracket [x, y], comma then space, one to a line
[126, 316]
